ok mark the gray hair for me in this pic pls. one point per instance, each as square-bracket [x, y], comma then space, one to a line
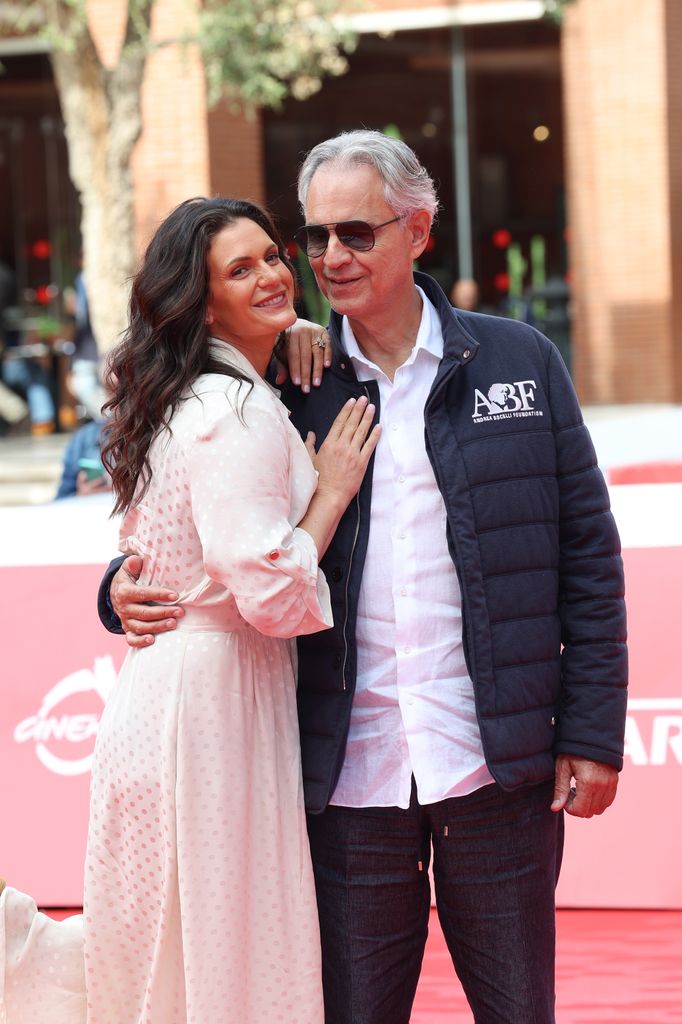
[407, 185]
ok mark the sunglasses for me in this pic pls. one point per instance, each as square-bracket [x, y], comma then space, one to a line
[355, 234]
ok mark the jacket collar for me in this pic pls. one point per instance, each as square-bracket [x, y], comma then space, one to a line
[459, 346]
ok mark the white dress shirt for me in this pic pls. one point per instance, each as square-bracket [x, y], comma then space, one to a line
[413, 711]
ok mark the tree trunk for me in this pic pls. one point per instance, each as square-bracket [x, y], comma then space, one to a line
[102, 118]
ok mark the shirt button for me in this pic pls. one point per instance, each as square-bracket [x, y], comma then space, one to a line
[403, 591]
[394, 426]
[407, 649]
[401, 479]
[466, 353]
[410, 701]
[401, 536]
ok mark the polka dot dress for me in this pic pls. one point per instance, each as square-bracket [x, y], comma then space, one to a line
[199, 895]
[41, 965]
[200, 903]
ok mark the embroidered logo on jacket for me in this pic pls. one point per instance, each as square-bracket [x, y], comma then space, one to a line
[505, 402]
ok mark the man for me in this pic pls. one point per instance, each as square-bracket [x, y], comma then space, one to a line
[475, 674]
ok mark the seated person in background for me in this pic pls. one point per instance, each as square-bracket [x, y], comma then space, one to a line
[83, 472]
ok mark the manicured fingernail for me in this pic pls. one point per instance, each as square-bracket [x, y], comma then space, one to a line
[170, 623]
[317, 381]
[297, 380]
[306, 389]
[172, 596]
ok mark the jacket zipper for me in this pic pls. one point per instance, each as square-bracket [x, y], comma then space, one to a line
[350, 565]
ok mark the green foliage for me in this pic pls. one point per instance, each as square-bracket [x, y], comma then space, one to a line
[392, 131]
[254, 51]
[317, 307]
[538, 274]
[516, 269]
[261, 50]
[554, 9]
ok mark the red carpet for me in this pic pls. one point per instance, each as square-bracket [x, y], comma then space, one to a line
[613, 967]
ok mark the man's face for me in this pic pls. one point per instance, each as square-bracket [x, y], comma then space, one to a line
[362, 284]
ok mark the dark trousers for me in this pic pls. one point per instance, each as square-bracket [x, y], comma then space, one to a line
[496, 859]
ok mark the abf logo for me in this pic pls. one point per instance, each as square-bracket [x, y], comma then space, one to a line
[505, 402]
[49, 726]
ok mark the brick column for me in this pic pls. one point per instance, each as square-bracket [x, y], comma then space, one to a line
[236, 154]
[171, 160]
[185, 150]
[623, 97]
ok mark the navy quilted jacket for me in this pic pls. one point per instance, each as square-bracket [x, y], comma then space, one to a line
[533, 541]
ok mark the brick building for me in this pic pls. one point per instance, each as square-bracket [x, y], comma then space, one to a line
[530, 133]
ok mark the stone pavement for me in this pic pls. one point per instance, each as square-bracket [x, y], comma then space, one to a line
[30, 468]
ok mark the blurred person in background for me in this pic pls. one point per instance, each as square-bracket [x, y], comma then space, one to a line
[84, 380]
[83, 472]
[13, 409]
[19, 372]
[464, 294]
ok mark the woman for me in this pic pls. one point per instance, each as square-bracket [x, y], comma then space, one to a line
[199, 897]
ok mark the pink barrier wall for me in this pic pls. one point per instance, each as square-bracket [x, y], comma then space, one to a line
[59, 664]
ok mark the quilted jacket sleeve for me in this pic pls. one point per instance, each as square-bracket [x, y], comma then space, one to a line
[591, 590]
[108, 616]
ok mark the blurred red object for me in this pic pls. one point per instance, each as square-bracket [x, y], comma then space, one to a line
[502, 282]
[646, 473]
[41, 249]
[502, 238]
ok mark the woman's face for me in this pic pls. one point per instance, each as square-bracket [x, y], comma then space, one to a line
[251, 290]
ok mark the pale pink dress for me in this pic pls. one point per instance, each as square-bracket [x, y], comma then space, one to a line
[199, 895]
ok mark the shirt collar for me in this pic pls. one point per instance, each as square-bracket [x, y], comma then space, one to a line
[231, 356]
[429, 339]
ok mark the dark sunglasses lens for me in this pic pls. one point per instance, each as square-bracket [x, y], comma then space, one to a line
[313, 239]
[356, 235]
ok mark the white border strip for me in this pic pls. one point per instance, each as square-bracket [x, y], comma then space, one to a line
[655, 704]
[75, 531]
[385, 22]
[648, 515]
[79, 531]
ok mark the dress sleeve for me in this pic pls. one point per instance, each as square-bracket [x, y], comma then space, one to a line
[240, 492]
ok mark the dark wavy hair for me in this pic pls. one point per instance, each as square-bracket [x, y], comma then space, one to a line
[165, 345]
